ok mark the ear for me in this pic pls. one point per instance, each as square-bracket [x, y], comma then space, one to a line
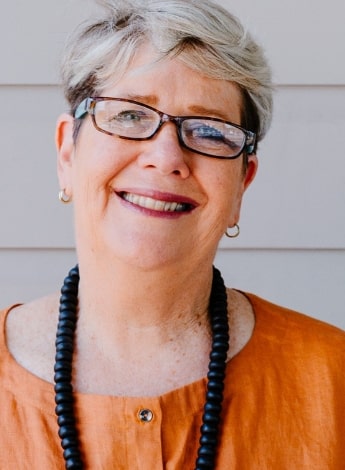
[252, 167]
[65, 151]
[247, 178]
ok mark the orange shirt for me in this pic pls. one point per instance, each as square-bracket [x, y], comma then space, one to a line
[284, 409]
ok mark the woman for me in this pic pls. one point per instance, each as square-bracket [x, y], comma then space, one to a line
[168, 101]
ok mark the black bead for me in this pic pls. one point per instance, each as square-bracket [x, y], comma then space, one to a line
[69, 442]
[67, 315]
[212, 407]
[67, 431]
[208, 439]
[63, 387]
[211, 418]
[63, 375]
[216, 366]
[63, 397]
[66, 420]
[64, 340]
[65, 332]
[217, 356]
[64, 346]
[63, 408]
[215, 387]
[62, 366]
[215, 375]
[204, 463]
[74, 464]
[208, 428]
[67, 306]
[71, 453]
[67, 321]
[212, 396]
[63, 356]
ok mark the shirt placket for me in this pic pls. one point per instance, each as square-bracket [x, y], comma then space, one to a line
[144, 434]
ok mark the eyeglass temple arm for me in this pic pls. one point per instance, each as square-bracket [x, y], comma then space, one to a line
[82, 108]
[250, 142]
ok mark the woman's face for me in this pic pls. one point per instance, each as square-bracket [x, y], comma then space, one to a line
[119, 186]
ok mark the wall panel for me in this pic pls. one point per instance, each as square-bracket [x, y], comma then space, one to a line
[309, 281]
[292, 244]
[27, 274]
[304, 39]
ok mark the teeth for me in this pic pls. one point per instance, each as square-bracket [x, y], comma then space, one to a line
[154, 204]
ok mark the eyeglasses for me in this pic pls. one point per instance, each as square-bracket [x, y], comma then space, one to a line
[131, 120]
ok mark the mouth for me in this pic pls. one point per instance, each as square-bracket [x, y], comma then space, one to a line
[158, 205]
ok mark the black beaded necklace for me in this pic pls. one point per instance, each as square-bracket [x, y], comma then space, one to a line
[63, 373]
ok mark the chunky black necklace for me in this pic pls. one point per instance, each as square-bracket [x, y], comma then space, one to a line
[63, 373]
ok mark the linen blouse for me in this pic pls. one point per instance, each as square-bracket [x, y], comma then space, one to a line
[283, 409]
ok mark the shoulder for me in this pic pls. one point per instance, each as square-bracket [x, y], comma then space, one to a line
[295, 334]
[256, 321]
[33, 313]
[29, 333]
[288, 317]
[291, 356]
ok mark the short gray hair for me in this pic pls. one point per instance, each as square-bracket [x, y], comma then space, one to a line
[200, 33]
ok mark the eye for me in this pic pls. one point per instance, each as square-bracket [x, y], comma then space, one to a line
[124, 119]
[213, 137]
[223, 135]
[207, 132]
[129, 116]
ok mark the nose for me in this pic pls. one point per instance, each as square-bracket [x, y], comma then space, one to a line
[164, 152]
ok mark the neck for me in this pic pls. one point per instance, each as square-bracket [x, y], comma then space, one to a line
[118, 302]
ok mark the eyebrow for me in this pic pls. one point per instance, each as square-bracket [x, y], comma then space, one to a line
[198, 110]
[151, 100]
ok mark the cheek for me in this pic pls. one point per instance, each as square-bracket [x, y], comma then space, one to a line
[227, 181]
[99, 158]
[227, 195]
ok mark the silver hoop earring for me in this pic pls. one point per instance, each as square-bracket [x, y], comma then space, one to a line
[234, 234]
[63, 197]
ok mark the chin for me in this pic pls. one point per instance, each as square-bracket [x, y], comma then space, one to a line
[144, 254]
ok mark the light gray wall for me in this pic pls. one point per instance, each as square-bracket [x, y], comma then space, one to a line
[292, 244]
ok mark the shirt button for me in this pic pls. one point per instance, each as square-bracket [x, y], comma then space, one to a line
[145, 415]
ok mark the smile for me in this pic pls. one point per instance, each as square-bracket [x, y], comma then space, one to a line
[156, 204]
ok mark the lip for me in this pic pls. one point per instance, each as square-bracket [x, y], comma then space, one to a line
[156, 203]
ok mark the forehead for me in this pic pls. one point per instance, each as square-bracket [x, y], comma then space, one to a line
[173, 87]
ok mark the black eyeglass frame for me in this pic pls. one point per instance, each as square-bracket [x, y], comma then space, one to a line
[88, 106]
